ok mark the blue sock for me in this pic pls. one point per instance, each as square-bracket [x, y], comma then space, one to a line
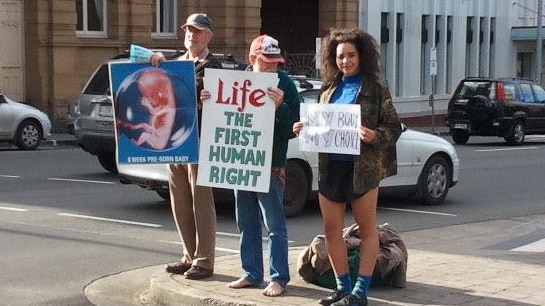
[343, 283]
[362, 286]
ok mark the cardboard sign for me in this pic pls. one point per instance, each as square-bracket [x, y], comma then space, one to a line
[237, 130]
[330, 128]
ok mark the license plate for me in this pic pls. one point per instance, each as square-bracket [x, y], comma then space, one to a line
[105, 123]
[460, 126]
[105, 111]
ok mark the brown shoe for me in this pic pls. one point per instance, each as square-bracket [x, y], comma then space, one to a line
[196, 272]
[178, 268]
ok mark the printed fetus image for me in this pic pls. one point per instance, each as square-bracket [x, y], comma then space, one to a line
[147, 110]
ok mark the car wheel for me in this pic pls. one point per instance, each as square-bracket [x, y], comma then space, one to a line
[459, 137]
[433, 183]
[28, 135]
[297, 189]
[516, 134]
[163, 193]
[107, 161]
[480, 109]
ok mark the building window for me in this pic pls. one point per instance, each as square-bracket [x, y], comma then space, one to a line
[91, 18]
[164, 19]
[399, 61]
[384, 40]
[469, 59]
[524, 65]
[424, 53]
[450, 52]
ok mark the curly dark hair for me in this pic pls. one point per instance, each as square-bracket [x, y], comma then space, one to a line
[366, 46]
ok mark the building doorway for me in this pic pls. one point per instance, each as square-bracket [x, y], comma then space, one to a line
[295, 25]
[524, 65]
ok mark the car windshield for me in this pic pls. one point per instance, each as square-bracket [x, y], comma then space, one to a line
[474, 88]
[310, 96]
[100, 83]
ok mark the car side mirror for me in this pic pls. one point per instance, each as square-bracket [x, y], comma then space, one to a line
[2, 98]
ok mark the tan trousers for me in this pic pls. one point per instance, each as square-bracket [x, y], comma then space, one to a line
[194, 212]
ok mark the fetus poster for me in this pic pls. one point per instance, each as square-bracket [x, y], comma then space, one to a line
[155, 112]
[237, 130]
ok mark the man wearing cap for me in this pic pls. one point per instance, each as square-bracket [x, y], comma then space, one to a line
[193, 205]
[251, 207]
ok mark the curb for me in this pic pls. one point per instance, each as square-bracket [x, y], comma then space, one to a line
[52, 142]
[433, 279]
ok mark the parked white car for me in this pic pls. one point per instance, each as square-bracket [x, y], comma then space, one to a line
[23, 125]
[428, 167]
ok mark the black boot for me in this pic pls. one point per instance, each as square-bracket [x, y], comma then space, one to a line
[351, 300]
[334, 297]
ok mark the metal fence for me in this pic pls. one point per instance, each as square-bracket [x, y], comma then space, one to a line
[301, 64]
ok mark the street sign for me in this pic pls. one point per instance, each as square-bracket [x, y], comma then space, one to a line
[433, 61]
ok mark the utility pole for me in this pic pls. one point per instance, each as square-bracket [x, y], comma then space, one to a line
[539, 41]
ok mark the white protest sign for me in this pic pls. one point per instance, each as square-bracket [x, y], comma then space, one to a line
[330, 128]
[235, 151]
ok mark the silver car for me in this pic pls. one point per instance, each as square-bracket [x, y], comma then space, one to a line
[93, 123]
[23, 125]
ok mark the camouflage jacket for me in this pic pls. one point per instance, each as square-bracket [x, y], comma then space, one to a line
[377, 159]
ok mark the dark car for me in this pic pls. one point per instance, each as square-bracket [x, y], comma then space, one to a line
[91, 115]
[505, 107]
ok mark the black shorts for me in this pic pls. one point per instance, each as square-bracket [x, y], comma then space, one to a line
[338, 187]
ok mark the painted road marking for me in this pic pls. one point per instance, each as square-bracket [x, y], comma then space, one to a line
[507, 149]
[80, 181]
[131, 223]
[419, 211]
[62, 179]
[238, 236]
[109, 220]
[222, 234]
[535, 247]
[217, 248]
[13, 208]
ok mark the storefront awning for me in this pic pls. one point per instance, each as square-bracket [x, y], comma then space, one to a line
[525, 33]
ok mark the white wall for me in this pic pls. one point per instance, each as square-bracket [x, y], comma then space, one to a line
[406, 64]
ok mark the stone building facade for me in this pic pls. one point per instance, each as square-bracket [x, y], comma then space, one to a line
[58, 56]
[49, 48]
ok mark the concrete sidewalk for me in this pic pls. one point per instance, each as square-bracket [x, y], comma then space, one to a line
[433, 278]
[455, 275]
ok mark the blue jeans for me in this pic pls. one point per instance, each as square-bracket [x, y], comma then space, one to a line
[251, 208]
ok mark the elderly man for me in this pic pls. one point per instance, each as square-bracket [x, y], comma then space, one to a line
[192, 205]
